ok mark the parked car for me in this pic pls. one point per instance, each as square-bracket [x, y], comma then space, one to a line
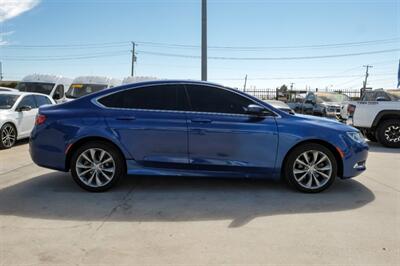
[379, 95]
[17, 115]
[378, 120]
[51, 85]
[191, 128]
[326, 104]
[2, 89]
[84, 85]
[280, 105]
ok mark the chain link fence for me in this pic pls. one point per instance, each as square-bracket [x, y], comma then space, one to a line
[289, 95]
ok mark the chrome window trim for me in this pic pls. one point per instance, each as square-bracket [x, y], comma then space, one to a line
[96, 102]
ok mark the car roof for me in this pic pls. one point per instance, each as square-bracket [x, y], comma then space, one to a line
[174, 81]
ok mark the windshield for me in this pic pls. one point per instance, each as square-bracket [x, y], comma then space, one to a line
[79, 90]
[39, 87]
[333, 97]
[7, 101]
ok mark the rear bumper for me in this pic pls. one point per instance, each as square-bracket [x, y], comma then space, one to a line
[43, 151]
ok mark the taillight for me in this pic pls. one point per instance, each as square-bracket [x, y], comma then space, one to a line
[40, 119]
[351, 109]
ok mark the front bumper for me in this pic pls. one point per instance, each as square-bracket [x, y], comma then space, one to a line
[354, 161]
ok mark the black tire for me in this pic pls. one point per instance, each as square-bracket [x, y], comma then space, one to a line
[388, 133]
[289, 165]
[118, 163]
[4, 145]
[371, 136]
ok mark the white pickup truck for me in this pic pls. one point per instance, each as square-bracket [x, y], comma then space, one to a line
[378, 120]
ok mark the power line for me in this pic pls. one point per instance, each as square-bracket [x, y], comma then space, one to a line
[270, 58]
[334, 45]
[175, 45]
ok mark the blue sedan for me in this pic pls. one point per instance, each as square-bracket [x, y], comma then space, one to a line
[191, 128]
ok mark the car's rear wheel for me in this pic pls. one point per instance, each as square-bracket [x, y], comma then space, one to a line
[389, 133]
[97, 166]
[310, 168]
[8, 135]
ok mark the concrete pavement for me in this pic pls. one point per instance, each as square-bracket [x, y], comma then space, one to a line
[46, 219]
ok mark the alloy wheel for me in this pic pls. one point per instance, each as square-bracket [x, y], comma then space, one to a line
[95, 167]
[8, 136]
[392, 133]
[312, 169]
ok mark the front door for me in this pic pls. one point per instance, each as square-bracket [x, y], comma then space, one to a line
[223, 137]
[150, 123]
[26, 119]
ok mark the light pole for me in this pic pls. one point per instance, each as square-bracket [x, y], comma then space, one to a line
[204, 40]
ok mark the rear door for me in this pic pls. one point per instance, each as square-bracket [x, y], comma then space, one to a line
[150, 123]
[223, 137]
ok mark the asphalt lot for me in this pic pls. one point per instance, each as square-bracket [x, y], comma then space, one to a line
[46, 219]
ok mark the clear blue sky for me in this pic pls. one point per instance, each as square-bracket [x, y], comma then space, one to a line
[233, 23]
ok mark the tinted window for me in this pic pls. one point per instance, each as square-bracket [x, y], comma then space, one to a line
[215, 100]
[7, 101]
[162, 97]
[59, 92]
[42, 100]
[38, 87]
[310, 97]
[28, 101]
[79, 90]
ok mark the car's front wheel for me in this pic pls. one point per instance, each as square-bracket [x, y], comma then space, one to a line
[310, 168]
[8, 135]
[97, 166]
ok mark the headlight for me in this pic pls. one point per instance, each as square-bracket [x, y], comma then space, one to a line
[356, 136]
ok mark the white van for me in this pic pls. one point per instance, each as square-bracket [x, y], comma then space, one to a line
[131, 79]
[85, 85]
[51, 85]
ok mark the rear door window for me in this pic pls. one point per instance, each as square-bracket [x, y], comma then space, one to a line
[42, 100]
[160, 97]
[28, 100]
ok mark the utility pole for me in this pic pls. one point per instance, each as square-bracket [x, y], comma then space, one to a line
[367, 67]
[291, 86]
[133, 59]
[204, 40]
[1, 71]
[245, 83]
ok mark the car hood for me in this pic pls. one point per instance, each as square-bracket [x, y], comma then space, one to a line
[336, 104]
[4, 112]
[325, 122]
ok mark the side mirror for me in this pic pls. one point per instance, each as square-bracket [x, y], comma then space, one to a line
[382, 99]
[254, 109]
[24, 108]
[57, 96]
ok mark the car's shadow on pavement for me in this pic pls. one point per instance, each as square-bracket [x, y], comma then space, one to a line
[376, 147]
[142, 199]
